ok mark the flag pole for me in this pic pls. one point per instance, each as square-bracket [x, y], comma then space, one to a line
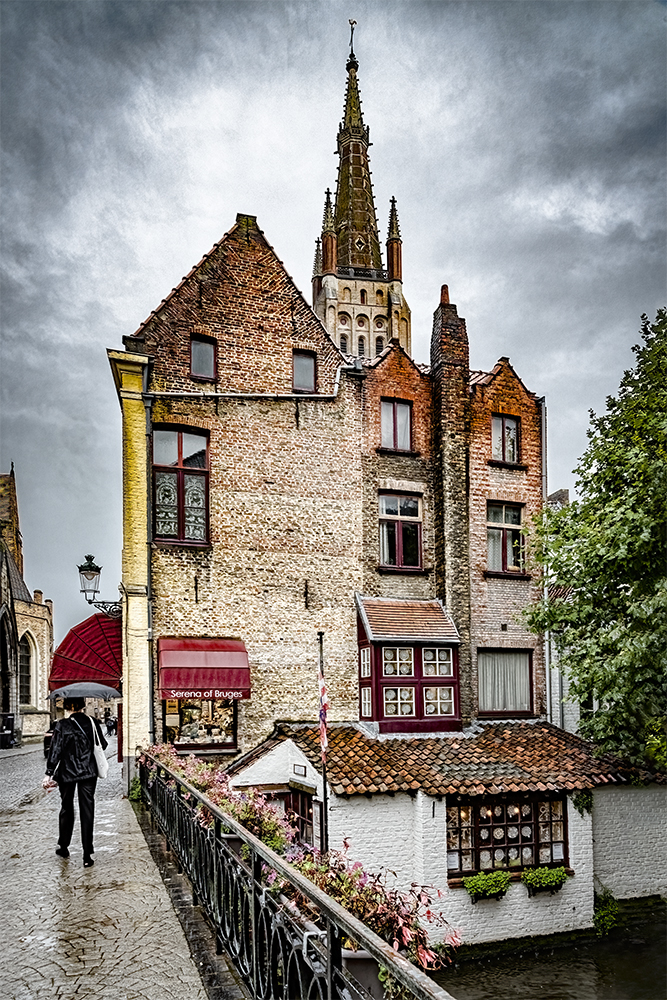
[323, 743]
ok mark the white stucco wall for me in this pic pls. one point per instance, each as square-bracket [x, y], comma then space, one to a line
[630, 846]
[379, 832]
[277, 768]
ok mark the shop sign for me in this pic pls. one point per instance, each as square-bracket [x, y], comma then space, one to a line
[205, 694]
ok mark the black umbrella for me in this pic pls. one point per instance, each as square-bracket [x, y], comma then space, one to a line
[85, 689]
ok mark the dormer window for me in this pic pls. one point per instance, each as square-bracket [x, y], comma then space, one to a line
[408, 688]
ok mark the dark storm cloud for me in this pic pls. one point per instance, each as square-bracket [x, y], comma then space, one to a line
[525, 142]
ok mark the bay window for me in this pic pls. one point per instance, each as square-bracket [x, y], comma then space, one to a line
[400, 531]
[504, 677]
[491, 834]
[413, 686]
[180, 485]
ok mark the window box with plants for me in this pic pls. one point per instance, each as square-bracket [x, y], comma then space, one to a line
[544, 880]
[487, 885]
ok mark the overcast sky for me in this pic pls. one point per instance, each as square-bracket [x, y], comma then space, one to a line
[524, 142]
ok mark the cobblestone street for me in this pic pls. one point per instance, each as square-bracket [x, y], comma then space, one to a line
[71, 932]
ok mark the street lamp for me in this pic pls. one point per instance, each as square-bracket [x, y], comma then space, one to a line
[89, 578]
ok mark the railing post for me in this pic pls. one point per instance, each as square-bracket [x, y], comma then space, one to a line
[334, 960]
[256, 876]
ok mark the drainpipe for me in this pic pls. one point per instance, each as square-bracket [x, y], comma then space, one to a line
[547, 636]
[148, 405]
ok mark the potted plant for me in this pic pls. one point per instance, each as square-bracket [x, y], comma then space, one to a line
[487, 885]
[544, 880]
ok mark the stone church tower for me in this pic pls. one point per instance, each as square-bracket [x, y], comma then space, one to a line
[360, 303]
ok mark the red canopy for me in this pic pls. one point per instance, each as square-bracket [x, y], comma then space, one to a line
[203, 668]
[91, 651]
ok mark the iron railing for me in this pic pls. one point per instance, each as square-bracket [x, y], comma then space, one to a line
[279, 952]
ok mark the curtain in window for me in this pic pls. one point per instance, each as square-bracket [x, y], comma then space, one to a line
[504, 681]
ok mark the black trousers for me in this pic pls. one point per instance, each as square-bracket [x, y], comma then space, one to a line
[86, 789]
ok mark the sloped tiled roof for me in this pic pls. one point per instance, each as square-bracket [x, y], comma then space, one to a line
[20, 591]
[491, 759]
[387, 618]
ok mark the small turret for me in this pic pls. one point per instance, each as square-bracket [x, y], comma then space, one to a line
[329, 240]
[394, 246]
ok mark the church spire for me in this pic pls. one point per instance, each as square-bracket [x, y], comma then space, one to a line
[394, 246]
[355, 218]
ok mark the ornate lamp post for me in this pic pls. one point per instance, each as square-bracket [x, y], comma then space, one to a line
[89, 578]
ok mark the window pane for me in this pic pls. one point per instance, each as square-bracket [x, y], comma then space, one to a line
[24, 671]
[409, 507]
[202, 358]
[494, 538]
[388, 543]
[165, 447]
[195, 508]
[365, 658]
[366, 703]
[504, 681]
[343, 343]
[497, 438]
[405, 662]
[410, 533]
[304, 372]
[494, 513]
[403, 426]
[399, 701]
[389, 505]
[166, 504]
[511, 440]
[390, 661]
[362, 347]
[387, 419]
[379, 345]
[438, 701]
[512, 515]
[194, 450]
[513, 555]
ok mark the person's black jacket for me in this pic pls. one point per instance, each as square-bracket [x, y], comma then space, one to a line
[71, 755]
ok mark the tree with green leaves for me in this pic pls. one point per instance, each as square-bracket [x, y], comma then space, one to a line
[604, 559]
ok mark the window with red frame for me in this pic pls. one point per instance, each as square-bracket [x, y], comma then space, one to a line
[504, 539]
[400, 531]
[415, 684]
[395, 423]
[180, 485]
[490, 834]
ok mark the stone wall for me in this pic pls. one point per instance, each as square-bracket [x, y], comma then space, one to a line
[35, 620]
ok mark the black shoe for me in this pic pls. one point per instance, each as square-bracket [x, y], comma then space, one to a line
[88, 862]
[62, 852]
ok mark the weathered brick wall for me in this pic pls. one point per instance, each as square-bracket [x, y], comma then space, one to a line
[450, 374]
[497, 602]
[629, 843]
[285, 555]
[397, 377]
[241, 295]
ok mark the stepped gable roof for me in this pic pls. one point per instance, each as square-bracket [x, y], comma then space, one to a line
[489, 759]
[388, 618]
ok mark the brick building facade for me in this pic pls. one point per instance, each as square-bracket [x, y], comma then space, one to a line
[289, 471]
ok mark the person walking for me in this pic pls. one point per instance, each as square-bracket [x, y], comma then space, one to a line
[71, 764]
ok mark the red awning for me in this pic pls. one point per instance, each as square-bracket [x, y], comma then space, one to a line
[203, 668]
[91, 651]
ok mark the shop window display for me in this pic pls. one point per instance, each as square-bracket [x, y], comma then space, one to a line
[201, 723]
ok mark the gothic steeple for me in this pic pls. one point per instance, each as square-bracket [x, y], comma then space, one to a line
[355, 219]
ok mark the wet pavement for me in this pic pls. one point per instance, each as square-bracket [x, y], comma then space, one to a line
[71, 932]
[21, 773]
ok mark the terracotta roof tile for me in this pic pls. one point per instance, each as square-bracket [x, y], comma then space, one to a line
[492, 759]
[386, 618]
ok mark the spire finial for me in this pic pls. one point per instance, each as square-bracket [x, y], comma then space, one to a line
[352, 61]
[394, 233]
[317, 264]
[328, 224]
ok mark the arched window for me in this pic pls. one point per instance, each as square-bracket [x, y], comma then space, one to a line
[343, 343]
[379, 298]
[379, 345]
[25, 671]
[362, 347]
[363, 296]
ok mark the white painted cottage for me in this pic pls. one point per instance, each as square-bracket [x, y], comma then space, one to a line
[498, 796]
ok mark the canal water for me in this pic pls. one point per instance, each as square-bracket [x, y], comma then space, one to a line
[627, 967]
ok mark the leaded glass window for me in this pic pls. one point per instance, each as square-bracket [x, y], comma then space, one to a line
[25, 671]
[180, 462]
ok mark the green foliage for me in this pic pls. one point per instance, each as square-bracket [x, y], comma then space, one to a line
[135, 789]
[605, 916]
[544, 879]
[608, 549]
[491, 885]
[583, 801]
